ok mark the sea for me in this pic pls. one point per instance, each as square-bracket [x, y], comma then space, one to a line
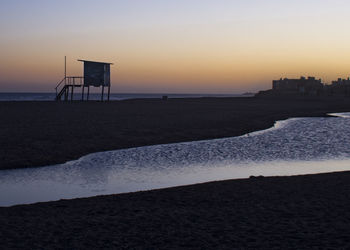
[113, 96]
[291, 147]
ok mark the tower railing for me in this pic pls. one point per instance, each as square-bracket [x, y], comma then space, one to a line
[66, 83]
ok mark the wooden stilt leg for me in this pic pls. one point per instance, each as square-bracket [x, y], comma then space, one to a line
[103, 89]
[66, 94]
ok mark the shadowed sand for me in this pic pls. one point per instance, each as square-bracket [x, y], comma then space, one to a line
[304, 212]
[44, 133]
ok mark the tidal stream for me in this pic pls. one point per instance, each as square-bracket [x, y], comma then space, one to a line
[292, 147]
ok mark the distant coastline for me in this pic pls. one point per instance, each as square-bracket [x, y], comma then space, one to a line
[27, 96]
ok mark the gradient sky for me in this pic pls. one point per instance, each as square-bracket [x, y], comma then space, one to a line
[182, 46]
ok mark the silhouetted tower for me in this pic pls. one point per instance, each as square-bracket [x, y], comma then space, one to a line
[96, 74]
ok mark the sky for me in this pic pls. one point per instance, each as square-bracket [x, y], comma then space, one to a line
[182, 46]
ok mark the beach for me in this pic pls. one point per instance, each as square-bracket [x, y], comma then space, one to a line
[34, 134]
[298, 212]
[304, 212]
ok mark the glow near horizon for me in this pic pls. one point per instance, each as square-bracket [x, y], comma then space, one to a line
[182, 46]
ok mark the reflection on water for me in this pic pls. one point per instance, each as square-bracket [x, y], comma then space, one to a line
[294, 146]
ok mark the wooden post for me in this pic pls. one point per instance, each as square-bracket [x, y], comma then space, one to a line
[109, 90]
[65, 79]
[65, 69]
[103, 89]
[82, 93]
[71, 93]
[66, 93]
[88, 93]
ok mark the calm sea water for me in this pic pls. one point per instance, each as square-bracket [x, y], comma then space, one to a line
[291, 147]
[94, 96]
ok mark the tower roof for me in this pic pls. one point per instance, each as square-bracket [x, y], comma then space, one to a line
[80, 60]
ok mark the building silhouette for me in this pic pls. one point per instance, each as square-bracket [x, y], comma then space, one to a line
[307, 86]
[339, 87]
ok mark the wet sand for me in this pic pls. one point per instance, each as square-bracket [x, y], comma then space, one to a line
[304, 212]
[36, 134]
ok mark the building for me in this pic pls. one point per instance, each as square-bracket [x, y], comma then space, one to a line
[307, 86]
[310, 86]
[340, 87]
[341, 82]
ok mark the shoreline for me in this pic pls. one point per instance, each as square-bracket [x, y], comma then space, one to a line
[280, 212]
[185, 186]
[203, 140]
[108, 176]
[49, 133]
[50, 97]
[305, 211]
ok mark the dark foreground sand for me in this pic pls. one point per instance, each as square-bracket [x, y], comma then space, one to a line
[304, 212]
[44, 133]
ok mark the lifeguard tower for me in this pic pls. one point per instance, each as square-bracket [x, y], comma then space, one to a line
[96, 74]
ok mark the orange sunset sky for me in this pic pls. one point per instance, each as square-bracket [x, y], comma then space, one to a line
[184, 46]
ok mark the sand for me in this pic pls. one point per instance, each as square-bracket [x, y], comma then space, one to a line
[303, 212]
[36, 134]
